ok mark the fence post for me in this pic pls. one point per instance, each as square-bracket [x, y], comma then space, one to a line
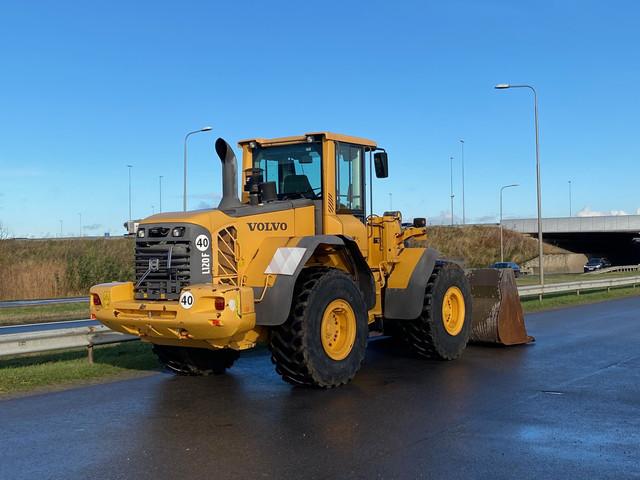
[90, 353]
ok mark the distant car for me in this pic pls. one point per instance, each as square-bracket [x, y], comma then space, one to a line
[596, 263]
[512, 265]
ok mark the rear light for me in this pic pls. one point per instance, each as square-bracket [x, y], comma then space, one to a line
[219, 303]
[95, 299]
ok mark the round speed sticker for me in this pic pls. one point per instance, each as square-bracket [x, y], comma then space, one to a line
[187, 300]
[202, 242]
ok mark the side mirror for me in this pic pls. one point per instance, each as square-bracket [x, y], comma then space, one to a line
[381, 164]
[419, 222]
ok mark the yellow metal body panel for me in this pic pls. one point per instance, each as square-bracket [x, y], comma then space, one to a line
[403, 267]
[254, 275]
[200, 325]
[351, 227]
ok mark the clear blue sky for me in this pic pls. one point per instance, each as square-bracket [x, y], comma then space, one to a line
[88, 87]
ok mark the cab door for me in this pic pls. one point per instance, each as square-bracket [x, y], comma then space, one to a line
[350, 192]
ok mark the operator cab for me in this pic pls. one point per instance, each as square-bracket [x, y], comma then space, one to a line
[325, 168]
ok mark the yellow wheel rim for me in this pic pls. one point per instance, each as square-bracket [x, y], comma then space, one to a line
[338, 329]
[453, 311]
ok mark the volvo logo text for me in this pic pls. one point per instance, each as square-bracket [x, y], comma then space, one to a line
[267, 226]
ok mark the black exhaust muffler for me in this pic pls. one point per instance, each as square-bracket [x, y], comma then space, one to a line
[229, 176]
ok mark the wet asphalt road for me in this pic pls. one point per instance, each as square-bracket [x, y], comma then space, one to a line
[566, 407]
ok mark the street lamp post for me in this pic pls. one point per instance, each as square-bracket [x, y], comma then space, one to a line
[129, 167]
[569, 197]
[503, 86]
[451, 189]
[61, 229]
[464, 218]
[160, 178]
[184, 192]
[501, 241]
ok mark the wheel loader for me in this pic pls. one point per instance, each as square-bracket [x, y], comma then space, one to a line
[300, 262]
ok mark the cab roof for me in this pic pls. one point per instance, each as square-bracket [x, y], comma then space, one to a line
[303, 138]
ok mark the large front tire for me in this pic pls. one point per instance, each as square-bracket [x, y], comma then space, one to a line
[323, 342]
[442, 330]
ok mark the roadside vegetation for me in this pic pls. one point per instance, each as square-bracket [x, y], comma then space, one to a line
[61, 268]
[479, 246]
[548, 302]
[44, 313]
[69, 267]
[63, 369]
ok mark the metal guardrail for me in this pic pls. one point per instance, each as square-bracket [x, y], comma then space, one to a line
[618, 268]
[44, 301]
[60, 339]
[566, 287]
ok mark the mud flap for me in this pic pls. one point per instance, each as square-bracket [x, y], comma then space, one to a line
[497, 312]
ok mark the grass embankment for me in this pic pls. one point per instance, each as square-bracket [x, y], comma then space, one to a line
[63, 369]
[479, 246]
[548, 302]
[44, 313]
[61, 268]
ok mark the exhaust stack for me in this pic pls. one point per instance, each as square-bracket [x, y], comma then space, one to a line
[229, 175]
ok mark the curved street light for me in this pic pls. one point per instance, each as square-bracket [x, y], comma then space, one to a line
[503, 86]
[186, 137]
[501, 241]
[129, 167]
[464, 218]
[451, 190]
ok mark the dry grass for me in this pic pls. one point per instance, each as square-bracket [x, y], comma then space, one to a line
[479, 246]
[61, 268]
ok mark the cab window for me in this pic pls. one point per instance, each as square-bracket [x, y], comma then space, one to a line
[296, 169]
[349, 188]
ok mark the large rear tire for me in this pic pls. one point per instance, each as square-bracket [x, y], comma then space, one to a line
[324, 339]
[442, 330]
[195, 361]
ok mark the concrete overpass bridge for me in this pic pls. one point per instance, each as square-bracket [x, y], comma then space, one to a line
[616, 237]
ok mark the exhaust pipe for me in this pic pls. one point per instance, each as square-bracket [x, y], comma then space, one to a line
[229, 175]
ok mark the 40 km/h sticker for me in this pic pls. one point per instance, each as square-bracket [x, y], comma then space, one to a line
[187, 300]
[202, 242]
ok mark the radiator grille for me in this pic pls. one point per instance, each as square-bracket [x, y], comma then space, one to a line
[165, 283]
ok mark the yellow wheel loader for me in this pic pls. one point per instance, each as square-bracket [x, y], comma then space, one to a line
[297, 262]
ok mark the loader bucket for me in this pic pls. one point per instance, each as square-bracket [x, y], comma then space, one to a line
[497, 312]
